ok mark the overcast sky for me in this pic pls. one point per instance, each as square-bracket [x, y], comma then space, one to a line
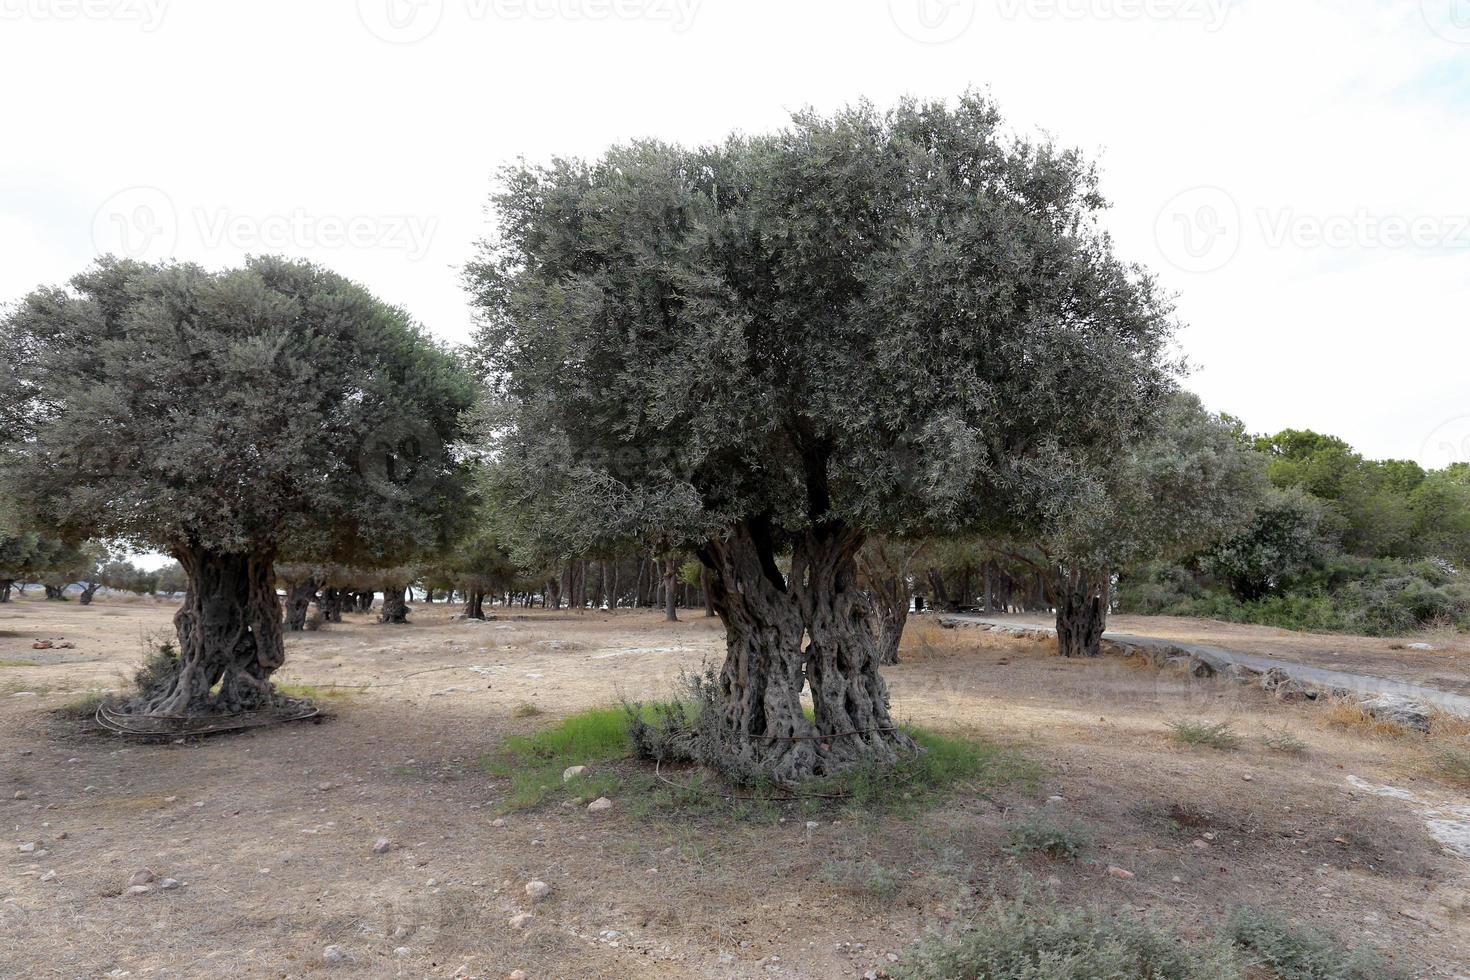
[1297, 171]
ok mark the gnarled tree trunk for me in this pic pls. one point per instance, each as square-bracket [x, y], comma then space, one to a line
[298, 602]
[88, 591]
[762, 726]
[364, 602]
[230, 638]
[395, 609]
[474, 603]
[5, 585]
[671, 595]
[1081, 599]
[849, 697]
[55, 593]
[553, 589]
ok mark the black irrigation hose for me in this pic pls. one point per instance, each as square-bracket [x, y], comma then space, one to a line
[111, 721]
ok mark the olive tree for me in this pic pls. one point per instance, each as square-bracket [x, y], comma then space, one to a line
[898, 322]
[229, 418]
[1196, 482]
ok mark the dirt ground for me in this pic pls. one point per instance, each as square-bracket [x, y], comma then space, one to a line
[1446, 666]
[272, 832]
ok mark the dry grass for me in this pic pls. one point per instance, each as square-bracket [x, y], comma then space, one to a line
[1353, 718]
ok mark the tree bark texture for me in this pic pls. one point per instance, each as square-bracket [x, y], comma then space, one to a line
[474, 604]
[230, 640]
[55, 593]
[88, 592]
[395, 609]
[671, 595]
[761, 724]
[299, 596]
[1080, 598]
[5, 585]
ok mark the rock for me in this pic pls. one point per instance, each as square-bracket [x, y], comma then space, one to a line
[537, 890]
[1399, 710]
[323, 787]
[143, 876]
[518, 975]
[402, 951]
[1118, 872]
[169, 884]
[29, 847]
[66, 645]
[600, 805]
[137, 890]
[1199, 845]
[573, 772]
[1423, 647]
[812, 825]
[498, 822]
[727, 959]
[382, 845]
[49, 876]
[41, 645]
[521, 920]
[1200, 668]
[333, 955]
[21, 794]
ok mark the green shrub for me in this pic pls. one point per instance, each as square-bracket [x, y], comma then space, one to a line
[1022, 939]
[1302, 954]
[1283, 740]
[160, 666]
[1042, 833]
[1215, 736]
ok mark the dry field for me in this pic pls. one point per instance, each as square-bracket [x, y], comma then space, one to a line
[273, 832]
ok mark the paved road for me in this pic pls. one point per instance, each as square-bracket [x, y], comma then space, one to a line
[1219, 658]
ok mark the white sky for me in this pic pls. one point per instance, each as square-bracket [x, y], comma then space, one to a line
[1295, 169]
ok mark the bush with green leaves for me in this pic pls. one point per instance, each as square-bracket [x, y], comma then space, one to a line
[1029, 939]
[1042, 833]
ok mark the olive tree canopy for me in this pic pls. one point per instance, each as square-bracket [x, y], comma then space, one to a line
[231, 418]
[904, 322]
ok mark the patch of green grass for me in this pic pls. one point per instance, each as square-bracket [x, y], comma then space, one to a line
[534, 763]
[84, 707]
[1283, 740]
[600, 740]
[1302, 954]
[1044, 834]
[1214, 736]
[947, 765]
[526, 710]
[311, 692]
